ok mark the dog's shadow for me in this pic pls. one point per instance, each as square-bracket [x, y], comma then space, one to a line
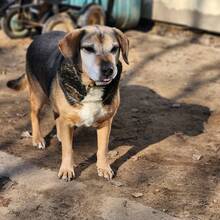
[144, 118]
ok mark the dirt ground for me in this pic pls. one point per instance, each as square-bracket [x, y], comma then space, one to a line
[165, 140]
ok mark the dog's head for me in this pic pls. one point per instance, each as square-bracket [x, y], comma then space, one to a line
[97, 49]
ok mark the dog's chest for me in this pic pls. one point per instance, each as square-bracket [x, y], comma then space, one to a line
[92, 107]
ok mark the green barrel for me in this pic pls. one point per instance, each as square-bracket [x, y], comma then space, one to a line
[126, 13]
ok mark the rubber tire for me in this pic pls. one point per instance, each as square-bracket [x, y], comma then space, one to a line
[92, 15]
[63, 19]
[5, 24]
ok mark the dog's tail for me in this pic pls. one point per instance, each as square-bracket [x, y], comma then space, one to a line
[18, 84]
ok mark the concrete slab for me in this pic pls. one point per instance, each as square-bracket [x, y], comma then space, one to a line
[29, 175]
[124, 209]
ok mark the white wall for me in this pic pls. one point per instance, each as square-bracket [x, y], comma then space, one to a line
[203, 14]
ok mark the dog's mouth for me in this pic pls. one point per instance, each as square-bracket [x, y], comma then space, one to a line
[104, 82]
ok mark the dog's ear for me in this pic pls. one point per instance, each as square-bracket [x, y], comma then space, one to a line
[123, 43]
[70, 45]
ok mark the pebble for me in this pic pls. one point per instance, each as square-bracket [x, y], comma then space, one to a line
[176, 105]
[196, 156]
[113, 153]
[116, 183]
[21, 115]
[25, 134]
[134, 110]
[137, 194]
[135, 158]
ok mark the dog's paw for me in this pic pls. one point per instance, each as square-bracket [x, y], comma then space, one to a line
[105, 172]
[40, 143]
[66, 173]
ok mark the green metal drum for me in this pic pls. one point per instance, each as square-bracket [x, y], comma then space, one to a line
[126, 13]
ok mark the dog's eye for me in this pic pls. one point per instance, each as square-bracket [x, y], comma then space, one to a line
[89, 49]
[114, 49]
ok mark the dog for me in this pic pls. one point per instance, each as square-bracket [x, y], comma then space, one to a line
[79, 74]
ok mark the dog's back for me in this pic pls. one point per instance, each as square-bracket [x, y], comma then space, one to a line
[43, 58]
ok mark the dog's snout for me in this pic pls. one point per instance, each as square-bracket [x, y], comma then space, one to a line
[107, 69]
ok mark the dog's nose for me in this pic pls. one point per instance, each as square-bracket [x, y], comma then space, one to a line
[107, 69]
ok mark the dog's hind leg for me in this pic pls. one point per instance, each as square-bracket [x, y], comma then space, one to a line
[37, 100]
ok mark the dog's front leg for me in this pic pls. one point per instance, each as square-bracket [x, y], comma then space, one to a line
[66, 171]
[103, 167]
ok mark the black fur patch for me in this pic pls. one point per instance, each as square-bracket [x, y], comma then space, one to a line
[111, 89]
[71, 83]
[43, 59]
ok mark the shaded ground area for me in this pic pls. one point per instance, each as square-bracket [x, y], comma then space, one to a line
[165, 137]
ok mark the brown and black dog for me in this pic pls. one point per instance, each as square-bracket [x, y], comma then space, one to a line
[79, 74]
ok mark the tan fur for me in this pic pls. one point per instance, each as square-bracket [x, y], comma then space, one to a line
[124, 43]
[102, 164]
[86, 80]
[23, 84]
[69, 46]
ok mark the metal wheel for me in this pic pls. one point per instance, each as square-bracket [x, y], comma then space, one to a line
[91, 15]
[59, 22]
[13, 26]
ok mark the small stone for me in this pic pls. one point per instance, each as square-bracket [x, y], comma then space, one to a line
[165, 210]
[25, 134]
[137, 194]
[135, 158]
[116, 183]
[196, 157]
[113, 153]
[176, 105]
[134, 110]
[21, 115]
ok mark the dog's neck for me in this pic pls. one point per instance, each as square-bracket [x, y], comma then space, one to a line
[70, 80]
[71, 83]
